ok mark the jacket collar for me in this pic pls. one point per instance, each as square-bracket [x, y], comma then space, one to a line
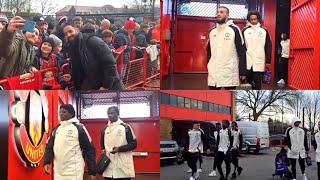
[72, 120]
[119, 121]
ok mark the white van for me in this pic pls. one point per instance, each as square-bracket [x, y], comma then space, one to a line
[255, 135]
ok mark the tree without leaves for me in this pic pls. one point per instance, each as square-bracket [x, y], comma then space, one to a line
[47, 6]
[258, 101]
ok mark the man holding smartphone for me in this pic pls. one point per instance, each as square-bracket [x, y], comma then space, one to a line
[16, 48]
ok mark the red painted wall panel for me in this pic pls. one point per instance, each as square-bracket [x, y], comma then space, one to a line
[165, 14]
[268, 15]
[147, 134]
[219, 97]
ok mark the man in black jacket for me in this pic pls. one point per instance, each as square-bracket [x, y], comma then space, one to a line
[141, 40]
[93, 65]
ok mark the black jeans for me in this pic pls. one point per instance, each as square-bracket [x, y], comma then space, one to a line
[192, 159]
[200, 160]
[318, 163]
[117, 178]
[293, 163]
[227, 159]
[235, 158]
[219, 88]
[283, 74]
[255, 79]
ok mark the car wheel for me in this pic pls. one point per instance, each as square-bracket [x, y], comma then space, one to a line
[248, 149]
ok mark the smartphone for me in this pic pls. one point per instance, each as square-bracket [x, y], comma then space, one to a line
[28, 26]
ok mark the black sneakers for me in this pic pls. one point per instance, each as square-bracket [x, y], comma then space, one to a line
[239, 169]
[234, 176]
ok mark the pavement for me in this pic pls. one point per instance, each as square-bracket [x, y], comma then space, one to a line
[256, 167]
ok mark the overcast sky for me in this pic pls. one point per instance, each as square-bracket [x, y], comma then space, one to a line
[115, 3]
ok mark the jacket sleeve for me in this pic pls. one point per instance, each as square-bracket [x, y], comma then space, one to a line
[268, 48]
[102, 139]
[314, 142]
[107, 60]
[204, 140]
[49, 154]
[287, 138]
[217, 142]
[208, 49]
[9, 44]
[240, 141]
[306, 141]
[141, 41]
[241, 51]
[131, 139]
[88, 149]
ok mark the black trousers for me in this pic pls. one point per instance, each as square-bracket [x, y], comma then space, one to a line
[117, 178]
[192, 159]
[283, 74]
[235, 158]
[293, 163]
[227, 159]
[200, 160]
[318, 164]
[215, 162]
[255, 79]
[219, 88]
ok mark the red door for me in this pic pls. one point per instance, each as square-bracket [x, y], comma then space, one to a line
[303, 72]
[190, 44]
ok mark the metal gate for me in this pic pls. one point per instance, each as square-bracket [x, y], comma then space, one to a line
[303, 70]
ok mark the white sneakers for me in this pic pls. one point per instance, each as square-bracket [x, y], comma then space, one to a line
[213, 174]
[192, 178]
[281, 81]
[304, 177]
[196, 175]
[199, 170]
[189, 171]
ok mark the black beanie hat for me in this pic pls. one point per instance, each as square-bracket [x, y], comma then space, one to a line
[50, 41]
[69, 108]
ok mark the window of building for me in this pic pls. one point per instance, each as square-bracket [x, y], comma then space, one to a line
[194, 104]
[205, 106]
[200, 104]
[173, 100]
[181, 101]
[164, 98]
[211, 107]
[187, 102]
[216, 108]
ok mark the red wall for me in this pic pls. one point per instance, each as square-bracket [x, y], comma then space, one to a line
[217, 97]
[165, 15]
[147, 134]
[268, 15]
[16, 168]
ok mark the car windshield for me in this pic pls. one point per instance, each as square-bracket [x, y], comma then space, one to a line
[167, 145]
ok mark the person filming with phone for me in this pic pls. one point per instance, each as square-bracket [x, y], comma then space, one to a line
[17, 47]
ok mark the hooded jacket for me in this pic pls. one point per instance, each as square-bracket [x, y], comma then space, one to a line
[296, 140]
[119, 134]
[258, 43]
[15, 53]
[65, 146]
[226, 55]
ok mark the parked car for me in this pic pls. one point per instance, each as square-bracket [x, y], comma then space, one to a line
[255, 135]
[169, 150]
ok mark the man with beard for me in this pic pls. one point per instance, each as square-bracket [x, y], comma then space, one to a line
[93, 65]
[258, 43]
[226, 54]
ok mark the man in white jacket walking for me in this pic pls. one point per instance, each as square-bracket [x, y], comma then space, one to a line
[296, 140]
[316, 145]
[67, 144]
[117, 141]
[226, 54]
[258, 43]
